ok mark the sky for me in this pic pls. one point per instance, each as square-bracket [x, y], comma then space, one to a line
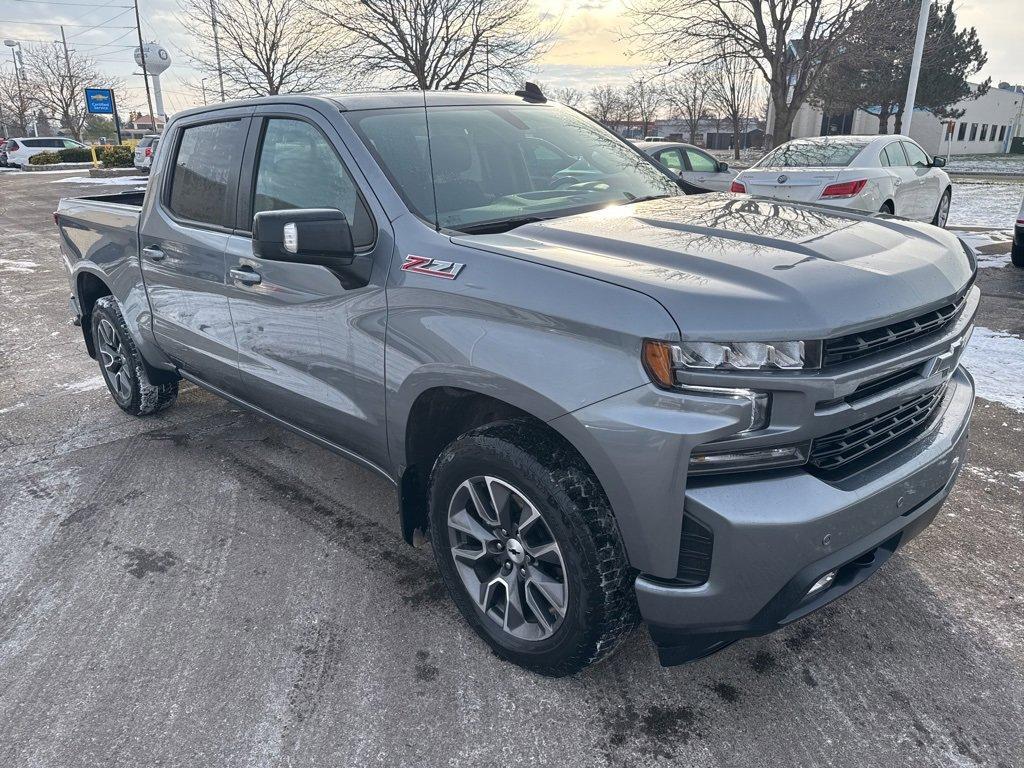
[588, 50]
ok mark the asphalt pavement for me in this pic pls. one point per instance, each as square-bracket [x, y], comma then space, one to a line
[203, 588]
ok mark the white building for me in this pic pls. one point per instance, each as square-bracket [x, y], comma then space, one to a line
[987, 126]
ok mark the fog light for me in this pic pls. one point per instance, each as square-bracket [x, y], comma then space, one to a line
[823, 583]
[703, 462]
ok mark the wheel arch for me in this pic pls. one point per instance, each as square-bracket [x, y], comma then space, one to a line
[89, 287]
[437, 416]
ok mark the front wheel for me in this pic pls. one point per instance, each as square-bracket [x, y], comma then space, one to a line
[942, 212]
[122, 366]
[528, 548]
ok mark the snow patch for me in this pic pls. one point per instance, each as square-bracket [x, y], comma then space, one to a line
[10, 408]
[96, 382]
[979, 204]
[17, 265]
[115, 180]
[996, 360]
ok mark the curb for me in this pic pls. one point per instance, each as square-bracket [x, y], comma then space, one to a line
[111, 173]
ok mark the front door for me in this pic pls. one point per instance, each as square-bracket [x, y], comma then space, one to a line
[311, 341]
[703, 171]
[189, 214]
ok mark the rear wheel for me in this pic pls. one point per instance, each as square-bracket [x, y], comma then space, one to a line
[528, 548]
[942, 212]
[121, 364]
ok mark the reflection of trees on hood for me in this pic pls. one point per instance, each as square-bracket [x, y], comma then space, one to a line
[755, 221]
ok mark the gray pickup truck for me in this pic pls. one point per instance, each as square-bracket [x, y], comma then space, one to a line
[602, 401]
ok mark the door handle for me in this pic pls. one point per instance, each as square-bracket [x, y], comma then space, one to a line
[154, 253]
[246, 275]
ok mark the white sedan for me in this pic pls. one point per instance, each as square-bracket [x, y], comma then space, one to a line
[887, 174]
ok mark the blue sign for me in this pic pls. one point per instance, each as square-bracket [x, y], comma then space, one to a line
[99, 101]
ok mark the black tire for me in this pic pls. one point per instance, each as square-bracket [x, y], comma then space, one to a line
[1017, 255]
[888, 208]
[947, 196]
[601, 607]
[122, 366]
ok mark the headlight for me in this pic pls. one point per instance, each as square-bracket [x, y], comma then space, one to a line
[663, 358]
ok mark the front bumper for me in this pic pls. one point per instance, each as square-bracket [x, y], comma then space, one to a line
[777, 533]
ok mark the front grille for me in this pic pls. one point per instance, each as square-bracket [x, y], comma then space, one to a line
[695, 547]
[857, 345]
[855, 442]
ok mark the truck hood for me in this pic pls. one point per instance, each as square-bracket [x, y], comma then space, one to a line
[736, 268]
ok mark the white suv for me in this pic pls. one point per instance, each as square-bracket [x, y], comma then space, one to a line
[19, 150]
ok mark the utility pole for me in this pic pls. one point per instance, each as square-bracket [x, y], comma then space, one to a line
[142, 58]
[216, 47]
[12, 44]
[915, 66]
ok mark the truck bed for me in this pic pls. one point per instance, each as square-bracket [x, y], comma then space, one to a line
[101, 229]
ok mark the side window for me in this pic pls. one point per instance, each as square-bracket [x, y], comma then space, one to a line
[298, 168]
[68, 144]
[974, 131]
[701, 163]
[208, 158]
[34, 142]
[894, 154]
[671, 158]
[915, 155]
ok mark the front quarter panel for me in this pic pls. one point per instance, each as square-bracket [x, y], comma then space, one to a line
[542, 339]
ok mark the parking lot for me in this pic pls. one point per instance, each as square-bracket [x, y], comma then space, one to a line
[204, 588]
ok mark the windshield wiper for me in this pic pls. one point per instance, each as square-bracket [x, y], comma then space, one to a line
[631, 199]
[500, 225]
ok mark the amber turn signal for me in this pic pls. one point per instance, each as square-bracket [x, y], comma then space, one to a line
[657, 357]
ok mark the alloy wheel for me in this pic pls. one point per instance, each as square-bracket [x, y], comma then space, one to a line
[507, 558]
[943, 214]
[114, 360]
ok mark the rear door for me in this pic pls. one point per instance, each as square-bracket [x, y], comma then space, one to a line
[310, 341]
[183, 236]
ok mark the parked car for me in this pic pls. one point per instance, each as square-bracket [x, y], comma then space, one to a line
[602, 403]
[144, 152]
[887, 174]
[20, 149]
[696, 170]
[1017, 249]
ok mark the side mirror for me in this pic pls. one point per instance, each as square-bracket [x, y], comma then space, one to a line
[304, 236]
[938, 162]
[723, 167]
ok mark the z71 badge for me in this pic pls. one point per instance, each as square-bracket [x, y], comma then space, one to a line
[448, 270]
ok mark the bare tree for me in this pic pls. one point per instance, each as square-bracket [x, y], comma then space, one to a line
[59, 83]
[689, 98]
[16, 105]
[267, 46]
[789, 42]
[604, 103]
[648, 98]
[571, 97]
[732, 93]
[439, 44]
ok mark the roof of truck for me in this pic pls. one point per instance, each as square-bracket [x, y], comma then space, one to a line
[348, 102]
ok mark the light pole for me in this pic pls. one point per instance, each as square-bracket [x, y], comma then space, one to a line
[915, 67]
[12, 44]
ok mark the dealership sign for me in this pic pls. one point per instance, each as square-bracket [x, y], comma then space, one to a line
[99, 101]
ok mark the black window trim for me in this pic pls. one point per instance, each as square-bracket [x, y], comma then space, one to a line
[230, 210]
[250, 163]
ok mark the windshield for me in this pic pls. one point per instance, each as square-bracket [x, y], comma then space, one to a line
[498, 166]
[813, 154]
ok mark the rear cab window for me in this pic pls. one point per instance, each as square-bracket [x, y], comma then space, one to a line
[205, 164]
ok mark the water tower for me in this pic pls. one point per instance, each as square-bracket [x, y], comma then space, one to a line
[157, 62]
